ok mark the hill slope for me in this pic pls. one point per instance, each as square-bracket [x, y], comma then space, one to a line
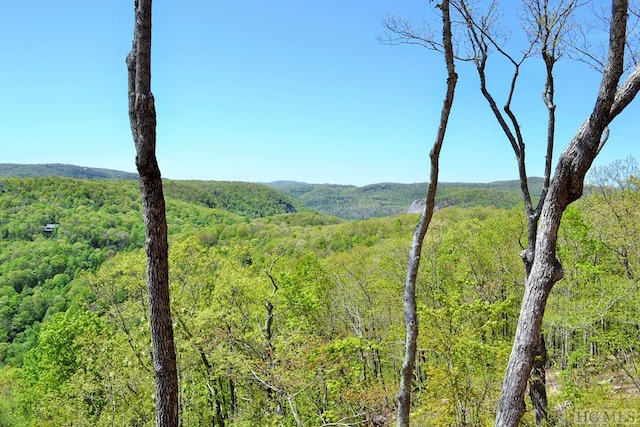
[57, 169]
[243, 198]
[94, 220]
[246, 199]
[344, 201]
[377, 200]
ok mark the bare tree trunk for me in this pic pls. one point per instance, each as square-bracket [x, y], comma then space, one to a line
[410, 306]
[538, 383]
[481, 38]
[566, 187]
[142, 116]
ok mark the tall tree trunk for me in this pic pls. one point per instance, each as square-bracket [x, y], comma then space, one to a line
[142, 116]
[410, 306]
[566, 187]
[537, 383]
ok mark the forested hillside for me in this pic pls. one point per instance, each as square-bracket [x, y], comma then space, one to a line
[248, 199]
[344, 201]
[63, 170]
[89, 222]
[295, 318]
[384, 199]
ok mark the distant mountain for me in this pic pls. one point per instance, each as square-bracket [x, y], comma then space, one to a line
[383, 199]
[57, 169]
[242, 198]
[278, 184]
[344, 201]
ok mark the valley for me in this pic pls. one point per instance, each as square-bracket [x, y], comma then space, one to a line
[284, 312]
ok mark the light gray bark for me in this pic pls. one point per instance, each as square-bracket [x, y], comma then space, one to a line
[566, 187]
[546, 30]
[410, 306]
[142, 116]
[538, 383]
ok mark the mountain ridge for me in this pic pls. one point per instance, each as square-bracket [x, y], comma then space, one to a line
[34, 170]
[38, 170]
[345, 201]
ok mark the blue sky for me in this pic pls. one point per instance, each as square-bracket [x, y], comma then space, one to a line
[263, 91]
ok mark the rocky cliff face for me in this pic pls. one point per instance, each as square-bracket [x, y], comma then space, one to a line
[418, 206]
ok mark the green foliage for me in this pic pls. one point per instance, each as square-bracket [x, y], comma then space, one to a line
[243, 198]
[10, 395]
[54, 360]
[95, 219]
[462, 353]
[56, 169]
[385, 199]
[296, 319]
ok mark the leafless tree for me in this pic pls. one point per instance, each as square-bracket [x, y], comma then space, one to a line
[410, 308]
[565, 187]
[142, 115]
[551, 30]
[586, 41]
[547, 24]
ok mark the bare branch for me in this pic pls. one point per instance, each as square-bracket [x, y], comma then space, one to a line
[581, 46]
[269, 271]
[343, 422]
[483, 33]
[400, 30]
[582, 50]
[626, 93]
[567, 186]
[603, 138]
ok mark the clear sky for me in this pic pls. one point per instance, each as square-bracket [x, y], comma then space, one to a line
[261, 91]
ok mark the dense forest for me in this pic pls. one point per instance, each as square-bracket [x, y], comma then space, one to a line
[384, 199]
[284, 316]
[344, 201]
[59, 169]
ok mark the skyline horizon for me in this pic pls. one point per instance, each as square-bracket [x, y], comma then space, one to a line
[255, 91]
[276, 181]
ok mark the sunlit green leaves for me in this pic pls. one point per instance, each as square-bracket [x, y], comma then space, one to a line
[294, 318]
